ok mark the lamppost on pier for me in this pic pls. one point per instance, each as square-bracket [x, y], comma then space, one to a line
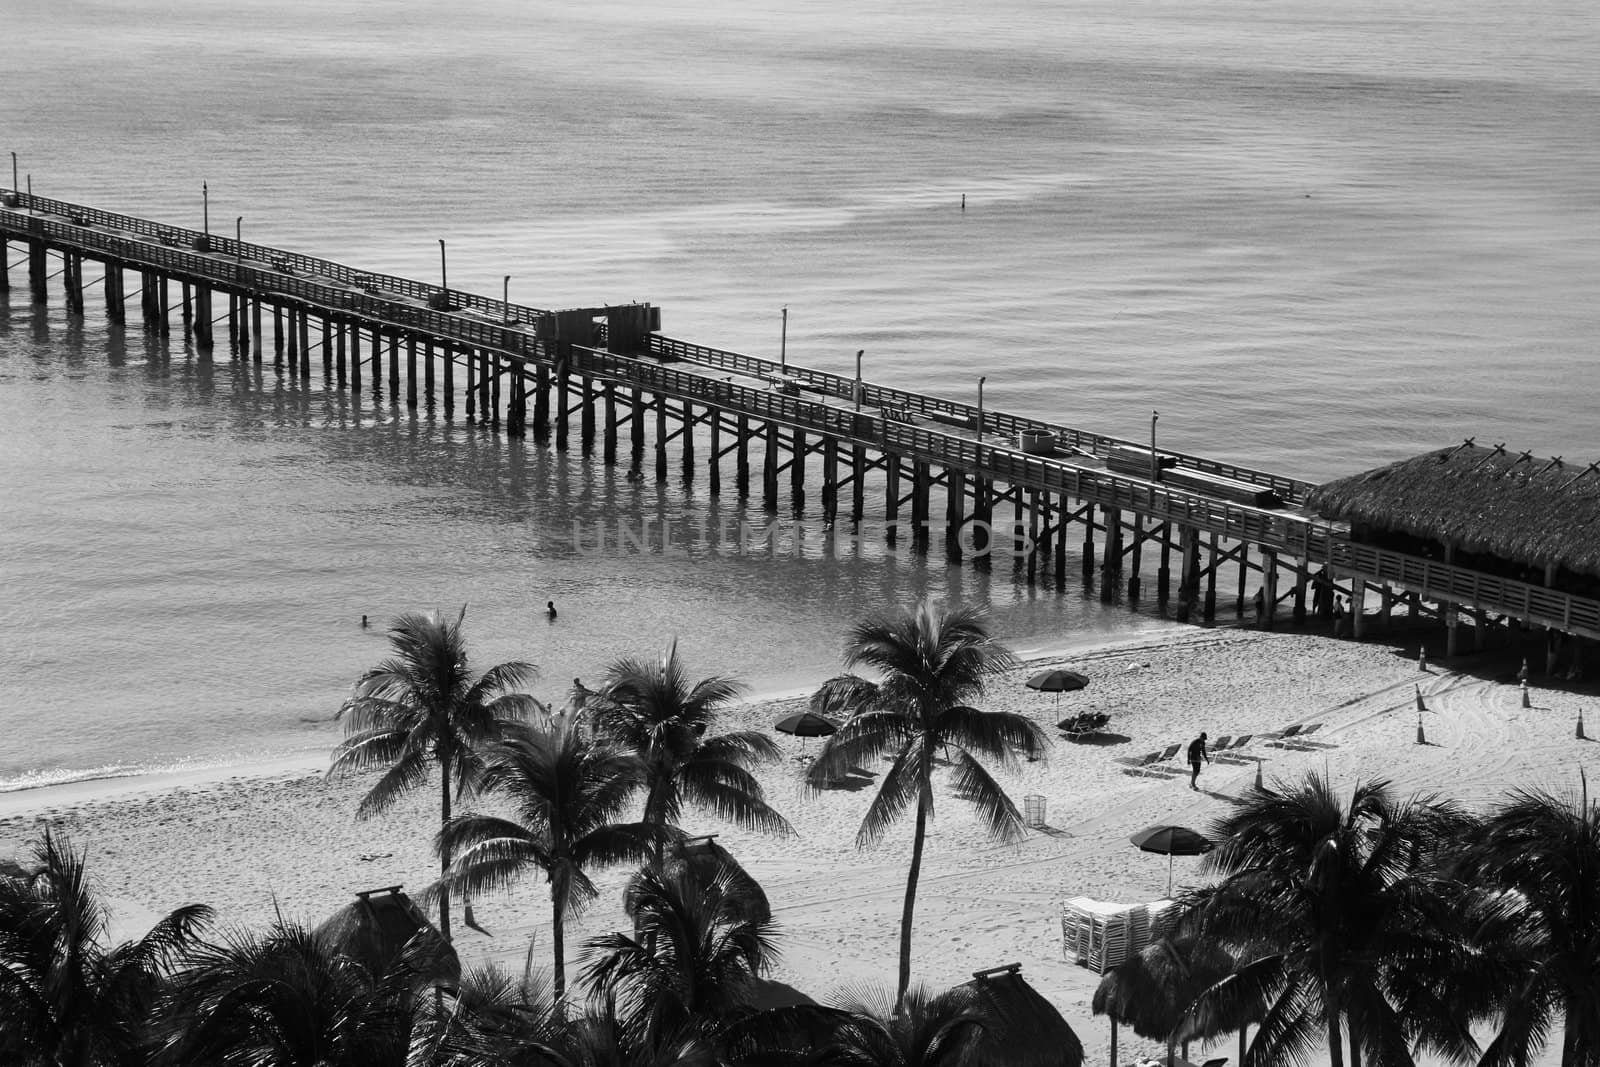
[205, 201]
[238, 239]
[14, 172]
[444, 280]
[981, 380]
[783, 338]
[505, 295]
[859, 353]
[1155, 465]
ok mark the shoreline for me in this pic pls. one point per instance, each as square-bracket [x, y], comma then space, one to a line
[94, 787]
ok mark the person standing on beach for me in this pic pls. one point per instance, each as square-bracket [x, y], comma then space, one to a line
[1197, 752]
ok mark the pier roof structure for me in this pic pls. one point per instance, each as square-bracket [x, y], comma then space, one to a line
[1488, 501]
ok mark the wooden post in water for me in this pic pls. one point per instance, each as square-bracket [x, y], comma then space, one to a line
[427, 371]
[498, 369]
[797, 472]
[469, 357]
[714, 460]
[355, 358]
[1111, 554]
[921, 505]
[955, 502]
[541, 402]
[1164, 571]
[610, 448]
[1208, 605]
[394, 368]
[741, 473]
[187, 315]
[1060, 539]
[769, 467]
[447, 361]
[305, 344]
[636, 433]
[291, 314]
[858, 484]
[688, 442]
[586, 414]
[163, 326]
[340, 329]
[1088, 540]
[563, 403]
[411, 370]
[830, 479]
[891, 496]
[38, 272]
[661, 437]
[1138, 552]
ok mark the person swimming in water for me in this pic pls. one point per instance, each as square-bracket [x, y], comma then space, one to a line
[550, 609]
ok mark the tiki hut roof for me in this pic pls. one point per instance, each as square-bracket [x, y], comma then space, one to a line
[377, 928]
[706, 859]
[1486, 500]
[1024, 1029]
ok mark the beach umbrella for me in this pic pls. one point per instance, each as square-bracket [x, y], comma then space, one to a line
[1057, 680]
[804, 724]
[1172, 841]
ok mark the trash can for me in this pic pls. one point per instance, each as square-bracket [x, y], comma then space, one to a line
[1033, 810]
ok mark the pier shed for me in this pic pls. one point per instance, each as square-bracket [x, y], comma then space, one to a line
[1502, 515]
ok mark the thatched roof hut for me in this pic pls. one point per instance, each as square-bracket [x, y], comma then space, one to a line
[1539, 515]
[706, 859]
[1023, 1028]
[376, 929]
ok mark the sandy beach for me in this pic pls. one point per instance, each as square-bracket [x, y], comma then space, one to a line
[282, 837]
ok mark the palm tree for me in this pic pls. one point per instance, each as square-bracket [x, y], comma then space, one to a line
[288, 999]
[1537, 859]
[652, 709]
[1160, 992]
[65, 997]
[916, 1029]
[421, 708]
[934, 663]
[566, 792]
[697, 948]
[1339, 919]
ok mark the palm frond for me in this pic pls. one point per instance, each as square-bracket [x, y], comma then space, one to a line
[903, 783]
[1000, 735]
[977, 787]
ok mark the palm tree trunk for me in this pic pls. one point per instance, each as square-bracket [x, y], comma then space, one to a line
[558, 939]
[911, 900]
[1113, 1041]
[444, 853]
[1243, 1045]
[1355, 1049]
[1335, 1041]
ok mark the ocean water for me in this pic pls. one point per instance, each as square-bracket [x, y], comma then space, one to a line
[1317, 238]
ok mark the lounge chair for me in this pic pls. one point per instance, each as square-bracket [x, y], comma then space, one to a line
[1169, 753]
[1139, 761]
[1218, 1062]
[1221, 744]
[1244, 739]
[1313, 728]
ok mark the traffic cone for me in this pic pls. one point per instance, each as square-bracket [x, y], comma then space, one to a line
[1422, 659]
[1580, 726]
[1421, 707]
[1525, 701]
[1258, 772]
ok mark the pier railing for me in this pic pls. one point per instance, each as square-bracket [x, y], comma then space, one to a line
[1291, 490]
[219, 245]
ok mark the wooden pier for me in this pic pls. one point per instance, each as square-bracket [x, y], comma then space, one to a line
[989, 485]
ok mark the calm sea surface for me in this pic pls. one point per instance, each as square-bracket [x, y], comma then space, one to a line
[1316, 237]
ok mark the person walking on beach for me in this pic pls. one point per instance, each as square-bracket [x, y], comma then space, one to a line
[1197, 752]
